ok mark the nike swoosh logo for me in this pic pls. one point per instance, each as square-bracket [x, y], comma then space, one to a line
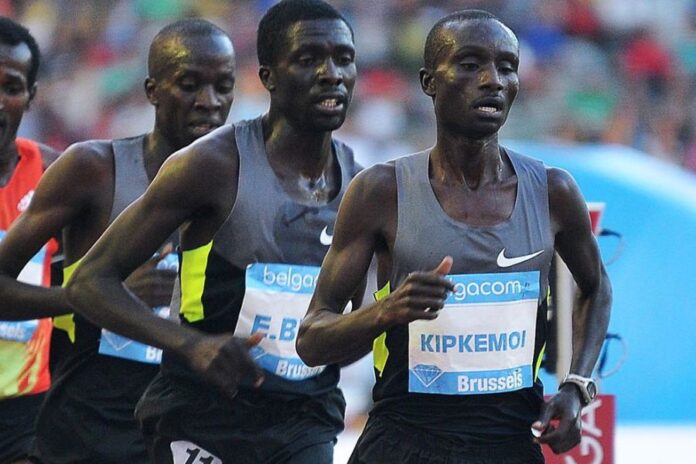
[504, 261]
[324, 237]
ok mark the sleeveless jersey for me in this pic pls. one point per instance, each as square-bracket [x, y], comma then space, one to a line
[24, 345]
[470, 375]
[88, 413]
[259, 271]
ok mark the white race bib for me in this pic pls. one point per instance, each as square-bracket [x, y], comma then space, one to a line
[482, 341]
[23, 331]
[276, 299]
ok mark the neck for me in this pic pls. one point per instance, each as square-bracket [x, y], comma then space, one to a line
[290, 151]
[9, 155]
[155, 152]
[466, 161]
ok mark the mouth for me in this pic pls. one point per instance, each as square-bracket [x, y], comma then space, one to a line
[490, 106]
[331, 105]
[200, 128]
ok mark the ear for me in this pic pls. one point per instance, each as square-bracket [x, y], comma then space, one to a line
[32, 94]
[267, 78]
[150, 85]
[427, 82]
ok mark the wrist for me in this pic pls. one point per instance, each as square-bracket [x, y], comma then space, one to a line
[585, 387]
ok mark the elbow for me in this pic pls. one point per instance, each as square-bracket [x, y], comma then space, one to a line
[304, 348]
[76, 290]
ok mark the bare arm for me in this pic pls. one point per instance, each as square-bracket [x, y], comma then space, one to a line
[577, 246]
[176, 196]
[63, 193]
[366, 218]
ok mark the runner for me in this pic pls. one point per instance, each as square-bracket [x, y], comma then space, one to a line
[258, 202]
[88, 414]
[464, 234]
[24, 345]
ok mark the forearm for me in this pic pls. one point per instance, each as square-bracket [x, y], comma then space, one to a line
[22, 301]
[590, 322]
[107, 303]
[329, 338]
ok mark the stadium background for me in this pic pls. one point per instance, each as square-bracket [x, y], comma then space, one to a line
[606, 91]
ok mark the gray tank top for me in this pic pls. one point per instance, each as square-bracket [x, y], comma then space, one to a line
[130, 176]
[494, 326]
[262, 266]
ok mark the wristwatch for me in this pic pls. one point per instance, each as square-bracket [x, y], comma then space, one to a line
[586, 385]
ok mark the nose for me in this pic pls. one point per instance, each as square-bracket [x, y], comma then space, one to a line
[207, 98]
[329, 73]
[490, 78]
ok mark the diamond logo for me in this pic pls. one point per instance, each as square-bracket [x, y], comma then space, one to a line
[257, 352]
[116, 341]
[427, 373]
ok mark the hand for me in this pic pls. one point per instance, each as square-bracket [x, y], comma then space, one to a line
[223, 361]
[564, 407]
[420, 296]
[153, 285]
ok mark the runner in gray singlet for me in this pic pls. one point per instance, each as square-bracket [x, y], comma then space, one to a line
[464, 234]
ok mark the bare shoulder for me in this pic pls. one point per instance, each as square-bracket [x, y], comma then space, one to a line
[375, 184]
[562, 185]
[84, 164]
[212, 158]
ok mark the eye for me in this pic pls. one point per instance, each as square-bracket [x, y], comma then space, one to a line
[188, 85]
[14, 89]
[507, 68]
[345, 60]
[306, 60]
[469, 65]
[225, 87]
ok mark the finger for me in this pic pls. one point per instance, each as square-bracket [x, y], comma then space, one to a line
[254, 340]
[445, 266]
[166, 249]
[418, 303]
[422, 280]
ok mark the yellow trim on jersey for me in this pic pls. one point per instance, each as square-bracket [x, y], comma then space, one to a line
[538, 361]
[66, 322]
[380, 352]
[193, 265]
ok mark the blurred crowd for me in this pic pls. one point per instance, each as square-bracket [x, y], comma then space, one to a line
[599, 71]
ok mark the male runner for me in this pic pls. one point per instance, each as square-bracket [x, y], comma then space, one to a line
[24, 345]
[88, 413]
[464, 234]
[257, 202]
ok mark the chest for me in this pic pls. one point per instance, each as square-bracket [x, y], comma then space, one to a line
[486, 205]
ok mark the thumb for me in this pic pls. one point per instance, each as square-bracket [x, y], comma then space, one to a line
[445, 266]
[545, 417]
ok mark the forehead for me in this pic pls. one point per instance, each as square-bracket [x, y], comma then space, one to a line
[482, 34]
[15, 57]
[212, 50]
[332, 32]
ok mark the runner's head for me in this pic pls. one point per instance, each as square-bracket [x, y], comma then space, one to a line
[307, 63]
[470, 72]
[19, 65]
[191, 74]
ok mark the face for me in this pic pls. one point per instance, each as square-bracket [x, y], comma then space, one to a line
[474, 80]
[193, 91]
[15, 93]
[311, 83]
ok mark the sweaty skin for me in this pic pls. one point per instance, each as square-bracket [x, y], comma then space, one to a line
[75, 196]
[473, 84]
[317, 66]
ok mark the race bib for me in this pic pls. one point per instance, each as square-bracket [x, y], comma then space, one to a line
[23, 331]
[275, 301]
[112, 344]
[483, 339]
[185, 452]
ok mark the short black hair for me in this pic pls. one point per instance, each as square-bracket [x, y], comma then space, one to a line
[184, 28]
[273, 26]
[433, 43]
[13, 34]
